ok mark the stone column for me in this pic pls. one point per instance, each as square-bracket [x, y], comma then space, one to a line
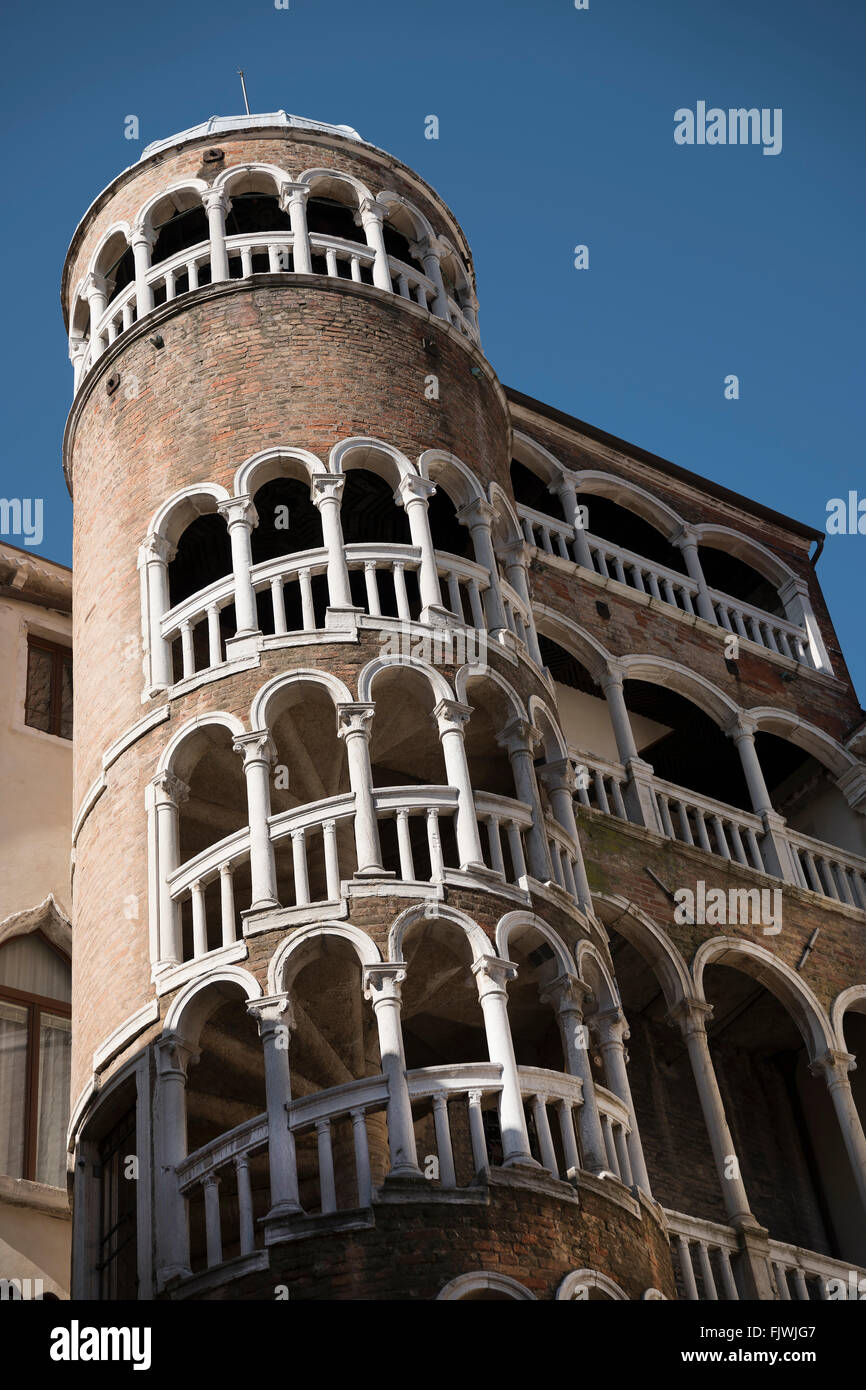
[169, 791]
[775, 849]
[382, 986]
[559, 780]
[450, 718]
[173, 1057]
[686, 541]
[153, 558]
[638, 790]
[240, 517]
[353, 725]
[794, 593]
[691, 1016]
[216, 205]
[478, 516]
[612, 1032]
[491, 976]
[96, 293]
[141, 241]
[428, 252]
[834, 1067]
[293, 200]
[414, 492]
[371, 215]
[258, 752]
[567, 994]
[275, 1022]
[326, 491]
[78, 348]
[515, 556]
[566, 491]
[518, 739]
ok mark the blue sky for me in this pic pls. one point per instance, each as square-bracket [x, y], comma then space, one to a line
[556, 128]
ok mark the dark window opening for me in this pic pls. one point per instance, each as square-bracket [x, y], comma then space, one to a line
[117, 1261]
[695, 754]
[203, 556]
[48, 702]
[733, 576]
[566, 669]
[256, 212]
[532, 491]
[182, 230]
[327, 217]
[397, 245]
[448, 533]
[369, 513]
[288, 520]
[611, 522]
[121, 274]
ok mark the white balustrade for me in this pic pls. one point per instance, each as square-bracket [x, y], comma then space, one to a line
[711, 825]
[267, 252]
[599, 785]
[765, 629]
[702, 1252]
[834, 873]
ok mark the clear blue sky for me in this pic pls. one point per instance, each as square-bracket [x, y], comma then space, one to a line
[556, 128]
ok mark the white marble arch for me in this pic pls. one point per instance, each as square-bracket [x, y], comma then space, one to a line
[650, 941]
[594, 971]
[752, 552]
[825, 749]
[450, 474]
[251, 174]
[365, 451]
[181, 509]
[192, 1006]
[552, 741]
[588, 1279]
[853, 1000]
[482, 1281]
[314, 178]
[671, 675]
[367, 678]
[539, 460]
[282, 460]
[470, 672]
[574, 639]
[287, 959]
[777, 977]
[421, 227]
[217, 719]
[184, 194]
[594, 482]
[479, 943]
[506, 528]
[260, 708]
[513, 921]
[117, 229]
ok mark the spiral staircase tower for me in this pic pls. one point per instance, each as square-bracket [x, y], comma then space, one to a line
[341, 990]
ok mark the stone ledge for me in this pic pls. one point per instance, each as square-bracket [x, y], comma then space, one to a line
[38, 1196]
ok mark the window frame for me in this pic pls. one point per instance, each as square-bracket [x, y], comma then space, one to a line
[35, 1005]
[59, 655]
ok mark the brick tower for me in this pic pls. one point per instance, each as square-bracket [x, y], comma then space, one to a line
[406, 709]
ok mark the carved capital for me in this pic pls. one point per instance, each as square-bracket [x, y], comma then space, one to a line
[412, 486]
[691, 1016]
[255, 747]
[518, 737]
[169, 789]
[174, 1055]
[354, 720]
[492, 975]
[451, 714]
[383, 980]
[238, 511]
[327, 487]
[270, 1013]
[478, 512]
[566, 993]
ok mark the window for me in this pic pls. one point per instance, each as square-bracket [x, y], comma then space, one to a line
[48, 703]
[35, 983]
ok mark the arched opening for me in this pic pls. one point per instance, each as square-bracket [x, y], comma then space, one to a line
[532, 491]
[371, 517]
[405, 751]
[110, 1136]
[686, 746]
[116, 263]
[676, 1146]
[202, 557]
[398, 236]
[289, 523]
[443, 1025]
[449, 534]
[225, 1088]
[782, 1119]
[611, 521]
[179, 222]
[215, 808]
[255, 209]
[332, 208]
[803, 790]
[334, 1042]
[309, 766]
[535, 1030]
[731, 575]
